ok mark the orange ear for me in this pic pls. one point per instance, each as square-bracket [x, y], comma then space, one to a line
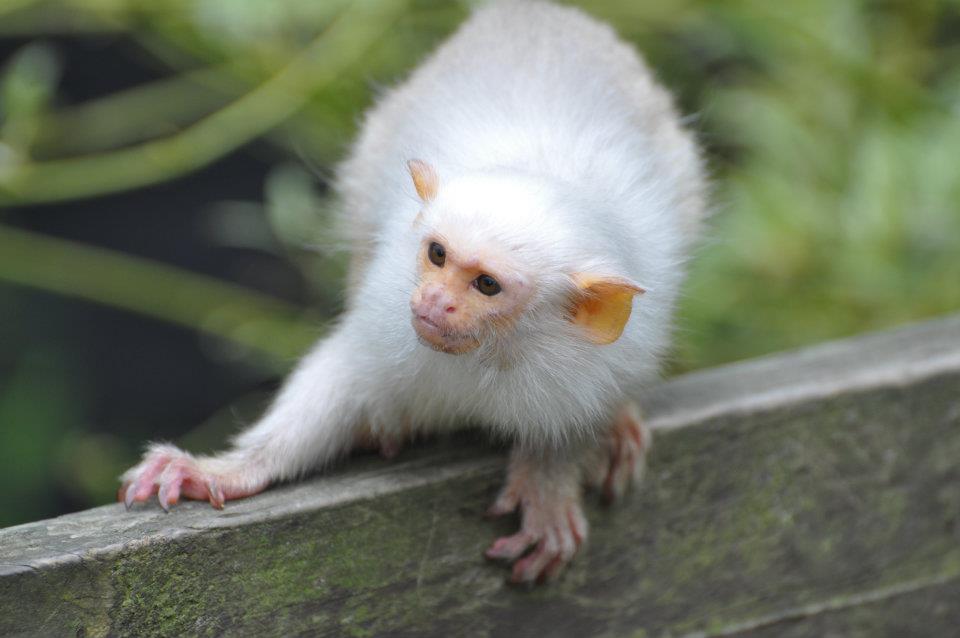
[425, 179]
[603, 306]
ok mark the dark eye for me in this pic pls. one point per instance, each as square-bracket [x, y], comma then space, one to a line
[487, 285]
[437, 254]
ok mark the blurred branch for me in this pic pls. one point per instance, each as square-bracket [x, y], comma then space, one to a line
[29, 18]
[133, 115]
[351, 33]
[269, 326]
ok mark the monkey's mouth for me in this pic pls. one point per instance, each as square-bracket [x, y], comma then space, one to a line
[442, 339]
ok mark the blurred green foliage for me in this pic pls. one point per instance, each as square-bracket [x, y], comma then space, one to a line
[831, 129]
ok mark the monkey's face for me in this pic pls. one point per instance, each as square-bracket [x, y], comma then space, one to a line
[464, 295]
[478, 267]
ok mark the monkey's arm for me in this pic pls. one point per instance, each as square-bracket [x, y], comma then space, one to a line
[311, 420]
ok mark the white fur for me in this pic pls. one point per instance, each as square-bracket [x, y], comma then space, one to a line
[552, 142]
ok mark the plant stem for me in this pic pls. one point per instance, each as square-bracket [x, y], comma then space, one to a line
[269, 326]
[350, 34]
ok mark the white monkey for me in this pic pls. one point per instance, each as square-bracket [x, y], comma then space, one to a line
[520, 210]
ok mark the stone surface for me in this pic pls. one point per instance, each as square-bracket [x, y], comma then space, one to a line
[811, 493]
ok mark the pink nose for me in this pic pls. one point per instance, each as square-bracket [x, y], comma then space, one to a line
[433, 304]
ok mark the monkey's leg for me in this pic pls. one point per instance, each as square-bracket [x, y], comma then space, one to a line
[547, 490]
[622, 458]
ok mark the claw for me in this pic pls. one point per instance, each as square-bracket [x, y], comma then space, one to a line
[497, 510]
[578, 525]
[510, 547]
[128, 497]
[530, 568]
[552, 570]
[215, 494]
[165, 497]
[507, 502]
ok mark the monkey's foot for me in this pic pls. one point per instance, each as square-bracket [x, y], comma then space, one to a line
[622, 459]
[388, 445]
[171, 473]
[552, 520]
[388, 441]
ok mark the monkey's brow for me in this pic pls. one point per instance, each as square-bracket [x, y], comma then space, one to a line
[471, 263]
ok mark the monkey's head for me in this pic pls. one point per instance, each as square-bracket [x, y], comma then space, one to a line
[480, 273]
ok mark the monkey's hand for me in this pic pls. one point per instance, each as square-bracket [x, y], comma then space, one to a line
[170, 473]
[547, 491]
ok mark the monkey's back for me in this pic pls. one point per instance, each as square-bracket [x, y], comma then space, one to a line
[531, 87]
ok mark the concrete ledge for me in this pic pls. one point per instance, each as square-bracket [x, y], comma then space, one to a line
[800, 494]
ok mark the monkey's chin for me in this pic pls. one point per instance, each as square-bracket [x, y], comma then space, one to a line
[449, 343]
